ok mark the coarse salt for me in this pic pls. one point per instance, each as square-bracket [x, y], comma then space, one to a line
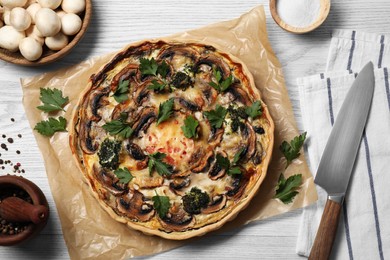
[298, 13]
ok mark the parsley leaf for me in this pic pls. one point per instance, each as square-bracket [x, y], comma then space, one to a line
[189, 127]
[52, 100]
[161, 204]
[121, 92]
[286, 189]
[148, 67]
[118, 127]
[291, 150]
[220, 85]
[237, 156]
[155, 162]
[165, 111]
[225, 164]
[163, 69]
[223, 161]
[50, 126]
[254, 110]
[156, 85]
[124, 175]
[216, 117]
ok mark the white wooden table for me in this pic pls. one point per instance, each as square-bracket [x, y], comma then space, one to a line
[118, 22]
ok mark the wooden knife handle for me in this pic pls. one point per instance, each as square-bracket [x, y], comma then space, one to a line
[326, 233]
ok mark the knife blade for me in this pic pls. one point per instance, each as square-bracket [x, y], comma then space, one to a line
[339, 156]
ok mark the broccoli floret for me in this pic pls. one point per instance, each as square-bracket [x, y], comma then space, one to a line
[181, 80]
[109, 153]
[194, 200]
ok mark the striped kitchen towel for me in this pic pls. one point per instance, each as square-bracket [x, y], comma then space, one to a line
[364, 228]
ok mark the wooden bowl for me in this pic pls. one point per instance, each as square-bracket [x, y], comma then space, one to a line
[37, 197]
[323, 14]
[48, 55]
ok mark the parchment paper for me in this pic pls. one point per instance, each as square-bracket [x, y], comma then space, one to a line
[89, 231]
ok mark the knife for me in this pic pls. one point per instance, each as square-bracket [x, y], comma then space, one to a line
[339, 156]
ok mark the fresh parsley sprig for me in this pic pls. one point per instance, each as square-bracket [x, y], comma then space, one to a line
[151, 67]
[50, 126]
[286, 189]
[220, 85]
[254, 110]
[161, 204]
[216, 117]
[165, 111]
[121, 93]
[155, 163]
[119, 127]
[124, 175]
[189, 127]
[230, 168]
[291, 150]
[52, 100]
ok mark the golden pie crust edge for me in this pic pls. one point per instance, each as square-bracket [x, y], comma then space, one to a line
[244, 199]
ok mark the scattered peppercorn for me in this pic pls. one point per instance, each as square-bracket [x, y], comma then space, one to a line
[4, 136]
[10, 140]
[19, 135]
[13, 119]
[17, 151]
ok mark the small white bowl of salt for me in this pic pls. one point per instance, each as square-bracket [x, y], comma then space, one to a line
[299, 16]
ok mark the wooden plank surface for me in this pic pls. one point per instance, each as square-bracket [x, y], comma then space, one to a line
[118, 22]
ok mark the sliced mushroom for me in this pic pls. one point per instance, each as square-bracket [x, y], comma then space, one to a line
[134, 206]
[217, 203]
[216, 171]
[212, 60]
[258, 156]
[126, 73]
[96, 100]
[189, 105]
[109, 181]
[238, 185]
[178, 184]
[145, 118]
[200, 160]
[142, 92]
[215, 136]
[86, 142]
[177, 219]
[238, 94]
[136, 152]
[250, 135]
[183, 50]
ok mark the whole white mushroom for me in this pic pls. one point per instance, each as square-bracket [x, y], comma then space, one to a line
[60, 13]
[47, 22]
[32, 10]
[52, 4]
[10, 38]
[20, 19]
[73, 6]
[57, 42]
[70, 24]
[30, 48]
[13, 3]
[6, 15]
[34, 33]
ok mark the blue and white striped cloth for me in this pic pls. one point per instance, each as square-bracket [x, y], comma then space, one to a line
[364, 229]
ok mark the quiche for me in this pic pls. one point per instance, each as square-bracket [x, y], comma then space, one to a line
[172, 138]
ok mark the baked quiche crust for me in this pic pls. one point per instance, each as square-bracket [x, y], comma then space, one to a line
[172, 138]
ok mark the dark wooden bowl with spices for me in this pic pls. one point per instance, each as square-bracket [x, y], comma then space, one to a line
[24, 210]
